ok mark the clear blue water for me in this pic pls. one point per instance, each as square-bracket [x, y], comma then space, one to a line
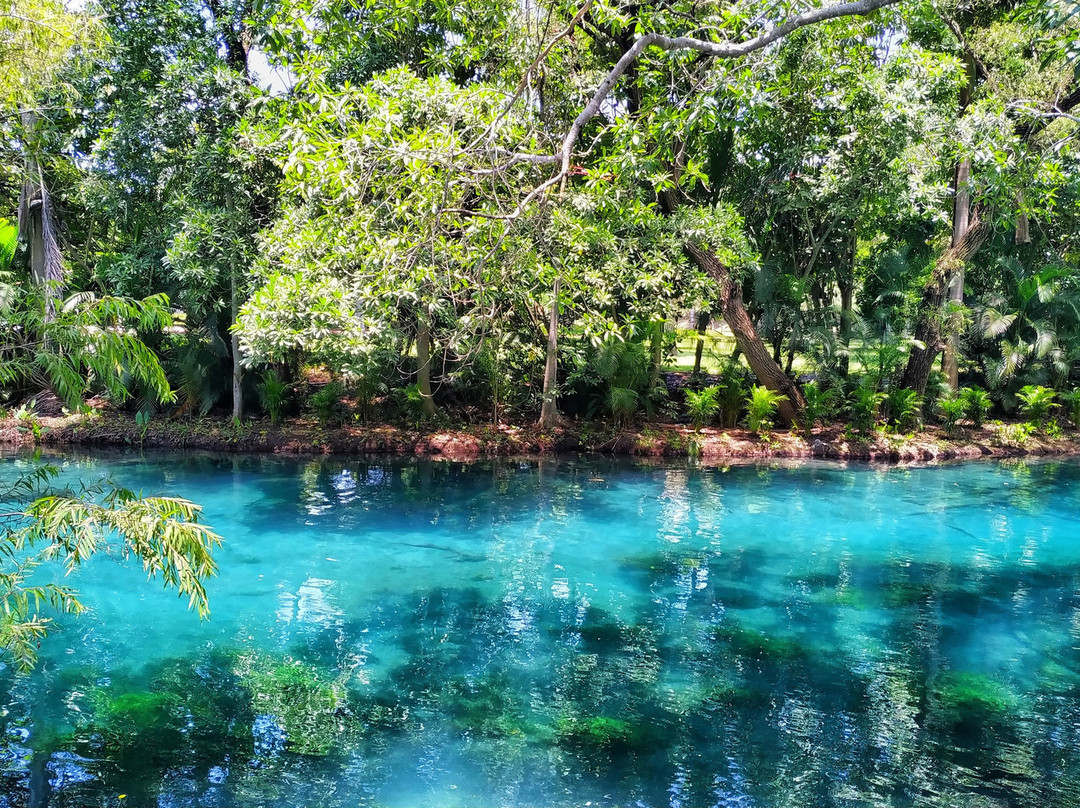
[573, 633]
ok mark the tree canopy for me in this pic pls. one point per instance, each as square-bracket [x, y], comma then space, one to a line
[518, 210]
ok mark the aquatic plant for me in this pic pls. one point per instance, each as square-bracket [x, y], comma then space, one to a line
[307, 704]
[970, 701]
[756, 645]
[597, 732]
[486, 706]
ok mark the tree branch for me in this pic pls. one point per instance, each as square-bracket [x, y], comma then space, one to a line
[715, 50]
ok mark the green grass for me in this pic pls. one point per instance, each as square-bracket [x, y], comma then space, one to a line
[720, 344]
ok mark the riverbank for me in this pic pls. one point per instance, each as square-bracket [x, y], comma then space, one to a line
[302, 437]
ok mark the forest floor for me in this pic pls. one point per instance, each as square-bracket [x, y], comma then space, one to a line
[487, 440]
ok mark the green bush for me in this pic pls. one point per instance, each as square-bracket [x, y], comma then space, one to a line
[1072, 405]
[1036, 402]
[865, 405]
[820, 405]
[952, 411]
[977, 405]
[905, 408]
[273, 395]
[623, 404]
[703, 405]
[327, 404]
[761, 406]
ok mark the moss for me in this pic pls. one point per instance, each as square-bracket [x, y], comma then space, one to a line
[306, 703]
[971, 700]
[752, 644]
[597, 732]
[486, 706]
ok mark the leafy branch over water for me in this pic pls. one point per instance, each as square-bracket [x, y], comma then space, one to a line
[164, 533]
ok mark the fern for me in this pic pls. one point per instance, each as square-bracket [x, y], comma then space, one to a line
[761, 405]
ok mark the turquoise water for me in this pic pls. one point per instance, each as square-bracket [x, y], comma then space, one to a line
[572, 633]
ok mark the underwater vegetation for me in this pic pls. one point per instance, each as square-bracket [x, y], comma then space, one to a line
[726, 668]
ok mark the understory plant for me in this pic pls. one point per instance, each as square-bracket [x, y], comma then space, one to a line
[327, 404]
[703, 405]
[761, 406]
[905, 408]
[977, 405]
[820, 405]
[866, 404]
[1036, 402]
[273, 392]
[1071, 401]
[952, 411]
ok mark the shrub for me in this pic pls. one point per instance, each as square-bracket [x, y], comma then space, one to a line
[1035, 404]
[734, 385]
[905, 408]
[703, 405]
[327, 404]
[865, 406]
[952, 410]
[977, 405]
[820, 404]
[761, 406]
[1072, 405]
[273, 392]
[623, 403]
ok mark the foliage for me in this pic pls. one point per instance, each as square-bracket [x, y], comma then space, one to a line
[1036, 403]
[90, 343]
[1071, 400]
[273, 395]
[164, 534]
[953, 410]
[820, 406]
[977, 405]
[905, 408]
[328, 405]
[703, 405]
[761, 407]
[865, 405]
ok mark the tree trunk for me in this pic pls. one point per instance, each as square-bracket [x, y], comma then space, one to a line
[768, 372]
[423, 366]
[657, 349]
[847, 289]
[961, 223]
[234, 342]
[846, 283]
[702, 324]
[549, 410]
[928, 329]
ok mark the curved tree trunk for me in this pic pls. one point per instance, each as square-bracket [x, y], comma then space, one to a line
[768, 372]
[928, 329]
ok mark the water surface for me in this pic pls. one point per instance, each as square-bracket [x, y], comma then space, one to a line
[571, 633]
